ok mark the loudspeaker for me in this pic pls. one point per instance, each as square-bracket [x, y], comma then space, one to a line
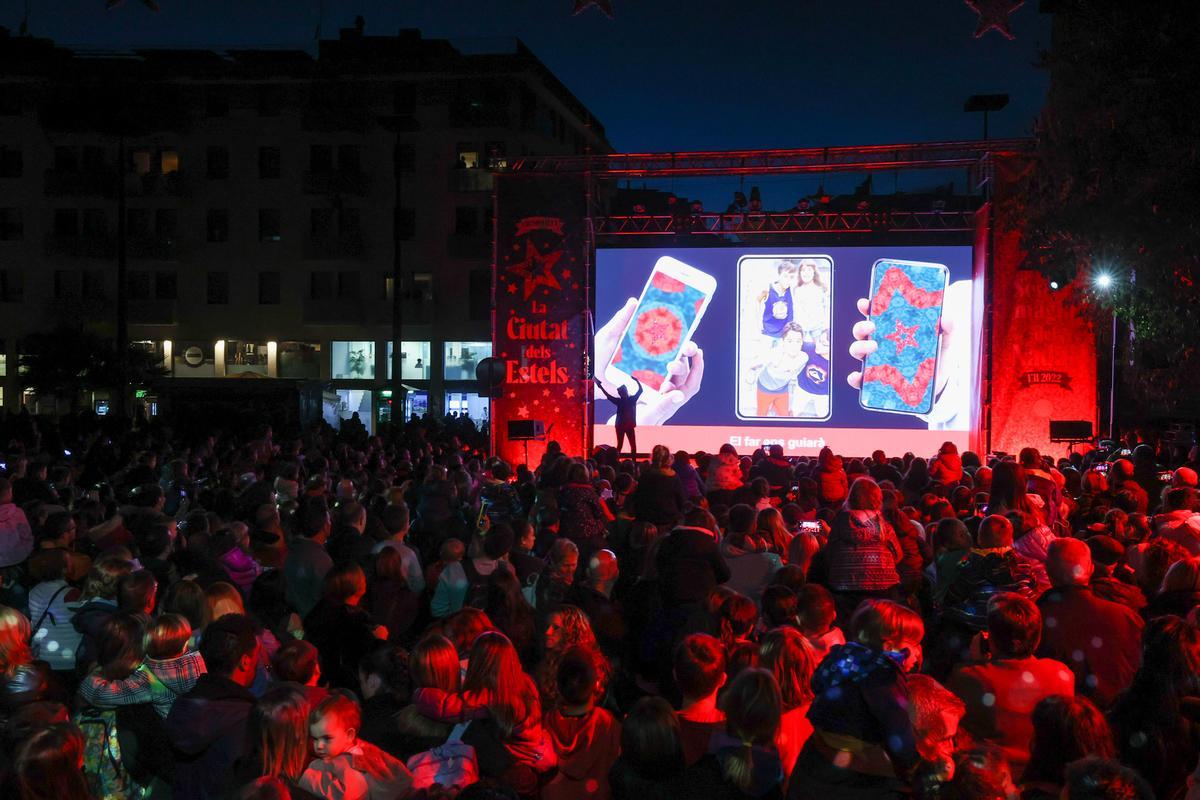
[1070, 430]
[526, 430]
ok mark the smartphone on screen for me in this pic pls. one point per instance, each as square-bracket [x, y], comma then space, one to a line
[672, 303]
[906, 300]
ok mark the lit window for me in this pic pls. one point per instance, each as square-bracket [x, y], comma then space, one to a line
[170, 161]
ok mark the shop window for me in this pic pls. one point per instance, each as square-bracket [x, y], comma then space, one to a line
[468, 155]
[299, 360]
[414, 361]
[461, 359]
[352, 360]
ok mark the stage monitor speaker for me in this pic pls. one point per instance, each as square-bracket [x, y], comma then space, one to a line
[1070, 430]
[526, 430]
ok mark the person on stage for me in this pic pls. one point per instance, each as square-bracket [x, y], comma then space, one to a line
[626, 415]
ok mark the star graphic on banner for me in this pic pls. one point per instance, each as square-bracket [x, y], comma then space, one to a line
[568, 392]
[512, 395]
[545, 392]
[557, 409]
[512, 288]
[605, 7]
[536, 268]
[566, 273]
[523, 411]
[537, 402]
[993, 14]
[903, 336]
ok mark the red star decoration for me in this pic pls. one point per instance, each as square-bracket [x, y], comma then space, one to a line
[568, 392]
[512, 395]
[545, 392]
[605, 7]
[512, 288]
[537, 402]
[557, 409]
[535, 269]
[566, 273]
[993, 14]
[903, 336]
[523, 411]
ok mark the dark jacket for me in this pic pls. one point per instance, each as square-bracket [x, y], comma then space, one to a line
[89, 620]
[1101, 642]
[580, 512]
[207, 728]
[980, 576]
[863, 693]
[1178, 603]
[776, 471]
[658, 497]
[305, 568]
[343, 635]
[689, 566]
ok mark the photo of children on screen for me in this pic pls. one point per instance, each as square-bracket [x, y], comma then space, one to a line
[783, 336]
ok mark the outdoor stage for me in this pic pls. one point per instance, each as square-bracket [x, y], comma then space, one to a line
[581, 293]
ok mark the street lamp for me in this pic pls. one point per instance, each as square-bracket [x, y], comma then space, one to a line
[1104, 282]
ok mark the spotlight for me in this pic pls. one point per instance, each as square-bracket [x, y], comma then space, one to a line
[1103, 280]
[1054, 285]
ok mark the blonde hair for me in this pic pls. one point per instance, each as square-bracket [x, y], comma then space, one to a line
[223, 599]
[14, 641]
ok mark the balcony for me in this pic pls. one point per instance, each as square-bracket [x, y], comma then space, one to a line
[328, 248]
[152, 312]
[154, 184]
[333, 311]
[355, 183]
[92, 183]
[157, 248]
[470, 180]
[77, 246]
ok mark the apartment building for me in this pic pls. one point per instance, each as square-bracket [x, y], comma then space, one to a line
[260, 206]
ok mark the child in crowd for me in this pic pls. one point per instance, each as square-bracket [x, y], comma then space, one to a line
[298, 662]
[700, 674]
[587, 739]
[171, 668]
[451, 551]
[816, 612]
[862, 733]
[345, 767]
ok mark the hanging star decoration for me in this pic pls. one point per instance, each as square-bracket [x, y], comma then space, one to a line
[903, 336]
[993, 14]
[536, 268]
[605, 6]
[150, 4]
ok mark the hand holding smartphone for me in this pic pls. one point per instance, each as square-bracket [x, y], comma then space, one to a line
[905, 311]
[671, 305]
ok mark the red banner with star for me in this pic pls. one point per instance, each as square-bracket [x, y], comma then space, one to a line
[541, 293]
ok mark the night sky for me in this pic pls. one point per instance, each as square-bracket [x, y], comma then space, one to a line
[667, 75]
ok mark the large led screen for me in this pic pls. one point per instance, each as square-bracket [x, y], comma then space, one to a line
[857, 348]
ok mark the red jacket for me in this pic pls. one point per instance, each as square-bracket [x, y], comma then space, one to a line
[587, 747]
[1099, 641]
[1001, 695]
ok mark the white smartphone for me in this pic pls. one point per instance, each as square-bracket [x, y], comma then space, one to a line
[672, 303]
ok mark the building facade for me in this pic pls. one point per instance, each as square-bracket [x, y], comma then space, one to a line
[261, 222]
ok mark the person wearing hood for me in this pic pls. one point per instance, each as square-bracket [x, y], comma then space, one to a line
[207, 725]
[946, 468]
[659, 496]
[863, 549]
[863, 744]
[832, 483]
[751, 565]
[586, 738]
[724, 475]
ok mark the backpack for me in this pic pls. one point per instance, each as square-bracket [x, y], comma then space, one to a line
[451, 765]
[106, 776]
[477, 585]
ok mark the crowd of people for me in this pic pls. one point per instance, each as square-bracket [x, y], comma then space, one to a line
[315, 615]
